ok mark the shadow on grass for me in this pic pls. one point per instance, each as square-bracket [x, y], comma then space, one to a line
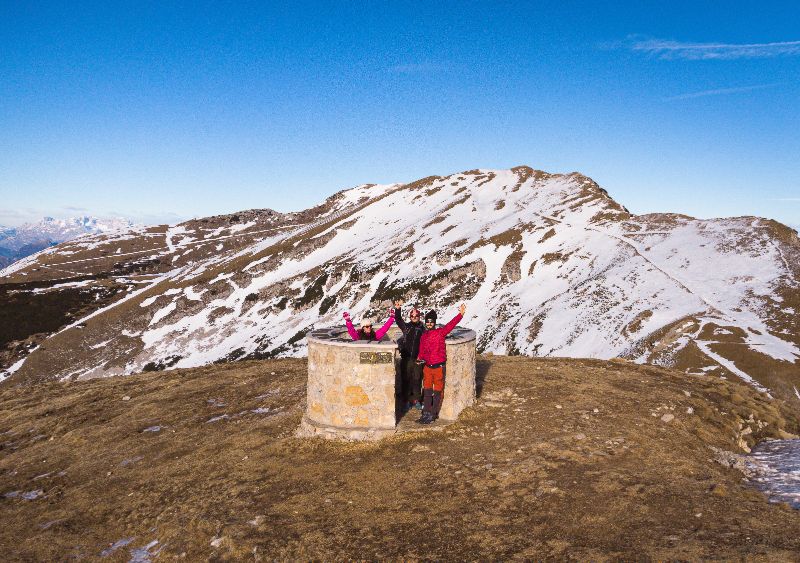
[482, 368]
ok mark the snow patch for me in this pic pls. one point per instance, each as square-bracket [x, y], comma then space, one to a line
[163, 312]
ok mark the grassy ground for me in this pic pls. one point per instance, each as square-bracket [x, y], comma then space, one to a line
[557, 459]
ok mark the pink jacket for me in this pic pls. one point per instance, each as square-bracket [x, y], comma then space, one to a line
[378, 333]
[432, 348]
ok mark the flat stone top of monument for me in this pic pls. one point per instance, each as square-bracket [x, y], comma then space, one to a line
[338, 336]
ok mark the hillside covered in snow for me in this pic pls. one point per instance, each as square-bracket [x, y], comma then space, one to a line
[548, 265]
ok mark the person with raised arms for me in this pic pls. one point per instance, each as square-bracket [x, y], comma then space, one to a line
[408, 344]
[433, 354]
[366, 332]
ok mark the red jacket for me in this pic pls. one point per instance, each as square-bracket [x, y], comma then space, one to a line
[432, 348]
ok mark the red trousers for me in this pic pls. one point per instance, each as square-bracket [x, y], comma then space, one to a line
[433, 378]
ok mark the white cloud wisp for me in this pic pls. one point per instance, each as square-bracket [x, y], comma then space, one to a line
[720, 92]
[715, 51]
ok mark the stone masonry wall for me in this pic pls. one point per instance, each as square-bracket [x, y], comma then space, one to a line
[346, 393]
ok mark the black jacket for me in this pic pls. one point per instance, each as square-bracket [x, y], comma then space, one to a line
[412, 332]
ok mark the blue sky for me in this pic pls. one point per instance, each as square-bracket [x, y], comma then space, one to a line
[162, 110]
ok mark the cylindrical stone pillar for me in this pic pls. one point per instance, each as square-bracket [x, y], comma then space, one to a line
[459, 385]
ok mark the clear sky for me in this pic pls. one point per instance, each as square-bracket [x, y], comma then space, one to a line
[165, 110]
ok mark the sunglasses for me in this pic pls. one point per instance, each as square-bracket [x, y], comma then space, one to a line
[366, 326]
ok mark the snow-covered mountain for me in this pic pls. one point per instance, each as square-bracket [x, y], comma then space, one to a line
[19, 242]
[549, 265]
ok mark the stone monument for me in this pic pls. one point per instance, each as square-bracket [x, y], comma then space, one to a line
[352, 383]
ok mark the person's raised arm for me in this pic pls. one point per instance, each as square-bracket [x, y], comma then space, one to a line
[381, 331]
[398, 315]
[454, 321]
[351, 330]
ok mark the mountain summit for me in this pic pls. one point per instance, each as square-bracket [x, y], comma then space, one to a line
[548, 264]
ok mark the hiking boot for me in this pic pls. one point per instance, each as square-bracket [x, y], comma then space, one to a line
[426, 418]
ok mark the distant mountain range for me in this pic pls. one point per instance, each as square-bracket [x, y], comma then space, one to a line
[548, 265]
[18, 242]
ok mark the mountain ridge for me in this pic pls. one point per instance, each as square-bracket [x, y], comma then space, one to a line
[549, 264]
[18, 242]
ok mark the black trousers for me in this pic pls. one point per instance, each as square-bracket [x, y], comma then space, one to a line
[410, 380]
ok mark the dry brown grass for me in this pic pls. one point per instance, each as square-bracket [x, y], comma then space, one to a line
[551, 232]
[435, 220]
[550, 257]
[636, 324]
[558, 459]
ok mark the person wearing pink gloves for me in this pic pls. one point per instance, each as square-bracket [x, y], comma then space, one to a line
[366, 332]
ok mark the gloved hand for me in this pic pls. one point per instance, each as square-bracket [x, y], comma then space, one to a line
[346, 315]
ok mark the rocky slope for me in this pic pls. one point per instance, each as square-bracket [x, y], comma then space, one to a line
[558, 459]
[549, 265]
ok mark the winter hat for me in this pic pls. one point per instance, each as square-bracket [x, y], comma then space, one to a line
[367, 321]
[414, 311]
[431, 315]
